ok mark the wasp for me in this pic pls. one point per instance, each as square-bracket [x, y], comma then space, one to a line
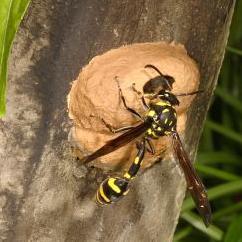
[160, 120]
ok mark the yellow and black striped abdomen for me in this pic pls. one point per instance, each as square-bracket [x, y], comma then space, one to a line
[111, 190]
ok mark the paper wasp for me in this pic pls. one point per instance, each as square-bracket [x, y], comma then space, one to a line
[160, 120]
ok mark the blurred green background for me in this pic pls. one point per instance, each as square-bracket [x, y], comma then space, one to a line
[219, 156]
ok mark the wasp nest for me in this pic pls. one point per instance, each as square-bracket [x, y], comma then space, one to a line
[95, 96]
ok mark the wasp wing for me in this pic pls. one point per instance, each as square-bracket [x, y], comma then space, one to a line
[118, 142]
[194, 183]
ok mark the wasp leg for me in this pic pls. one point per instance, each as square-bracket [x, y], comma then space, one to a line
[150, 147]
[131, 110]
[134, 168]
[145, 105]
[113, 130]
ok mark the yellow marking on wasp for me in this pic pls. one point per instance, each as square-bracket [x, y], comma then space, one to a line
[151, 113]
[175, 114]
[103, 194]
[166, 120]
[127, 175]
[159, 128]
[136, 160]
[113, 186]
[165, 110]
[153, 133]
[203, 195]
[98, 199]
[162, 103]
[170, 123]
[125, 193]
[167, 132]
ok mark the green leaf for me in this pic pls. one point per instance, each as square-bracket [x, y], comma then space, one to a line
[218, 157]
[212, 231]
[207, 140]
[229, 99]
[210, 171]
[227, 210]
[182, 234]
[235, 34]
[234, 50]
[11, 14]
[224, 131]
[234, 232]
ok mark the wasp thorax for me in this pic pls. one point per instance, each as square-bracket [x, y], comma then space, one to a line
[163, 115]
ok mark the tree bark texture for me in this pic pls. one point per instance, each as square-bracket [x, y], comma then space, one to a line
[44, 196]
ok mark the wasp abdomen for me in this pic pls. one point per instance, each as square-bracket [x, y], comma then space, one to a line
[111, 190]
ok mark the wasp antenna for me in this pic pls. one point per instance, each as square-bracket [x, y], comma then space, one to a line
[189, 93]
[155, 68]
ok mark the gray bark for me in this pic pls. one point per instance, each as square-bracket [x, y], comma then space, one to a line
[43, 195]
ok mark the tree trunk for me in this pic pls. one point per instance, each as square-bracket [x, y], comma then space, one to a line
[44, 196]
